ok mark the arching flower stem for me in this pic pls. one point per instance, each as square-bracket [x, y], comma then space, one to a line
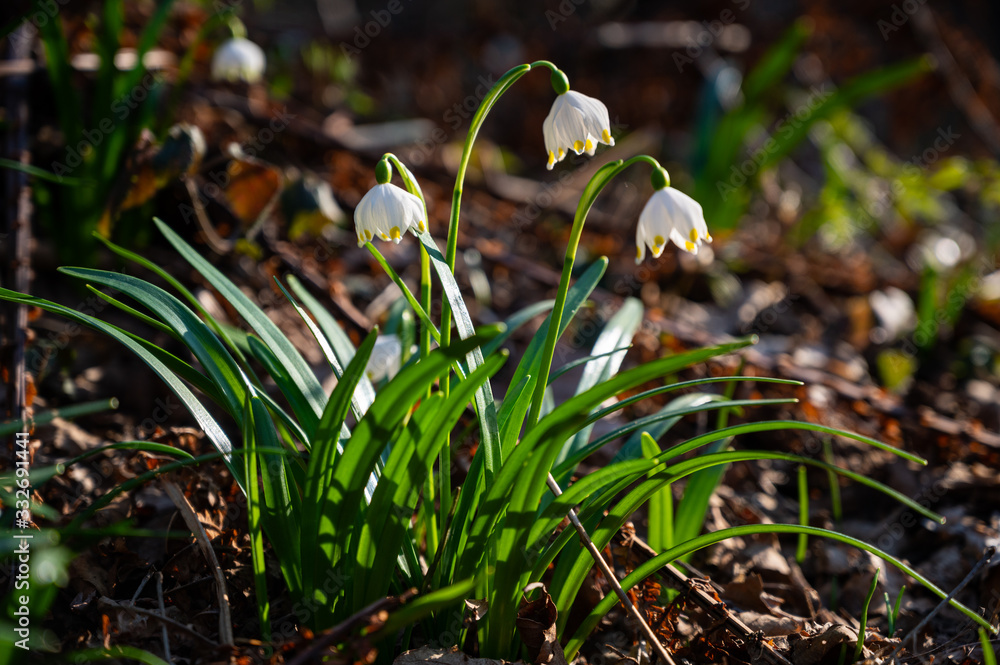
[598, 182]
[500, 87]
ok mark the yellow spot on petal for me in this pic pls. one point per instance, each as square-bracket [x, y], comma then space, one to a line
[606, 136]
[658, 240]
[708, 237]
[420, 226]
[383, 236]
[578, 146]
[561, 153]
[638, 252]
[368, 235]
[395, 233]
[552, 158]
[590, 145]
[689, 246]
[694, 235]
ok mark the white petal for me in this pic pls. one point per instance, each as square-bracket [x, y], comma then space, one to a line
[576, 122]
[387, 212]
[238, 59]
[674, 216]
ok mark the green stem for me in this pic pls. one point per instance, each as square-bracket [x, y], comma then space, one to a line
[427, 330]
[421, 313]
[597, 183]
[500, 87]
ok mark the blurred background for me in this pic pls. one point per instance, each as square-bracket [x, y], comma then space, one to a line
[845, 154]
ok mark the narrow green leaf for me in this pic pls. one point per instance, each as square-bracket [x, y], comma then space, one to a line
[617, 333]
[319, 473]
[255, 520]
[205, 420]
[656, 563]
[9, 427]
[489, 430]
[217, 362]
[300, 374]
[387, 524]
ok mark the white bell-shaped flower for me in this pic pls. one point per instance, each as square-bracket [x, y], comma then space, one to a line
[387, 212]
[578, 123]
[670, 215]
[238, 59]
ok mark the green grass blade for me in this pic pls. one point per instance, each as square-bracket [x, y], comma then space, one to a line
[117, 651]
[370, 435]
[204, 419]
[531, 360]
[205, 346]
[301, 408]
[489, 430]
[860, 644]
[387, 523]
[617, 333]
[146, 446]
[364, 393]
[565, 587]
[570, 366]
[42, 174]
[255, 514]
[654, 564]
[426, 605]
[301, 376]
[800, 550]
[714, 402]
[775, 63]
[661, 510]
[9, 427]
[515, 321]
[341, 344]
[864, 85]
[326, 446]
[522, 480]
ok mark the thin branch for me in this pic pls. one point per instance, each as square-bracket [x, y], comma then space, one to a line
[606, 570]
[129, 607]
[715, 609]
[194, 524]
[987, 555]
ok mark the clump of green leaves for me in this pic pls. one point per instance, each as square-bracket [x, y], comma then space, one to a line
[340, 504]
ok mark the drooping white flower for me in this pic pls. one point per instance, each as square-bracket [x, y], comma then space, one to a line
[670, 215]
[238, 59]
[578, 123]
[387, 212]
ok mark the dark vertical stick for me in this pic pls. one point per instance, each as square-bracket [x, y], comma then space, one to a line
[16, 232]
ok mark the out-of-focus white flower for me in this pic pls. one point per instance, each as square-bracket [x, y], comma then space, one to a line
[385, 358]
[387, 212]
[576, 122]
[670, 215]
[238, 59]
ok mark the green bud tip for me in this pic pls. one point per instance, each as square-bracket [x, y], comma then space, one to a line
[559, 82]
[660, 178]
[383, 172]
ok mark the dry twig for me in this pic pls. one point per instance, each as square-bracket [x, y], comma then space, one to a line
[194, 524]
